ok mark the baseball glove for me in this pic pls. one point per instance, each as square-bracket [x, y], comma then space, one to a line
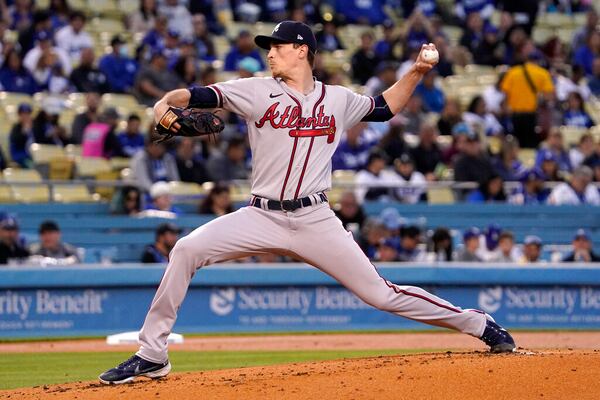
[193, 122]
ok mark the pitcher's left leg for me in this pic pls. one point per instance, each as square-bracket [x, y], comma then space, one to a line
[323, 242]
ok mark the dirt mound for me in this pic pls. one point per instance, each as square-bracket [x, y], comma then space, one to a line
[524, 375]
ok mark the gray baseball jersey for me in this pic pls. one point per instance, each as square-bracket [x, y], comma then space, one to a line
[292, 137]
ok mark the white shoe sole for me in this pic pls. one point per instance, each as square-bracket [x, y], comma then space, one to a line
[161, 373]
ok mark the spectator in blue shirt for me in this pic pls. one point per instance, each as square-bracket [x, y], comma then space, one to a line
[594, 80]
[418, 31]
[203, 43]
[575, 114]
[20, 15]
[484, 8]
[327, 38]
[353, 150]
[490, 190]
[243, 48]
[555, 149]
[131, 138]
[433, 97]
[118, 67]
[427, 7]
[531, 189]
[366, 12]
[584, 55]
[155, 38]
[384, 48]
[14, 77]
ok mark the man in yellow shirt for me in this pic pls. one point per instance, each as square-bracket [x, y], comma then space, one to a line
[524, 84]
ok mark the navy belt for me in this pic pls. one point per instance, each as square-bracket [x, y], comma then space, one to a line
[288, 205]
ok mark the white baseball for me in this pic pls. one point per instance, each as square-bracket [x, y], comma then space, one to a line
[431, 56]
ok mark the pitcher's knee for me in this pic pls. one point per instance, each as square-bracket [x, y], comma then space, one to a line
[188, 249]
[380, 300]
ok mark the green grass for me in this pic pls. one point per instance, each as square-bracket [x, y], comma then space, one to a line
[32, 369]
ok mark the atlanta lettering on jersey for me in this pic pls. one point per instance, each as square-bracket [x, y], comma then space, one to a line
[317, 125]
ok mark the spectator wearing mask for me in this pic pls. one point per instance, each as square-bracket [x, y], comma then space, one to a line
[532, 250]
[119, 68]
[165, 238]
[21, 137]
[131, 139]
[217, 202]
[244, 47]
[555, 147]
[153, 164]
[433, 97]
[231, 164]
[82, 120]
[413, 187]
[582, 249]
[374, 174]
[364, 60]
[470, 245]
[14, 77]
[577, 191]
[350, 213]
[154, 80]
[99, 138]
[51, 245]
[12, 247]
[427, 155]
[531, 189]
[189, 164]
[575, 114]
[73, 38]
[86, 77]
[507, 251]
[353, 151]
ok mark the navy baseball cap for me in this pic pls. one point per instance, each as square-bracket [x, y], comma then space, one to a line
[289, 32]
[471, 233]
[9, 223]
[24, 108]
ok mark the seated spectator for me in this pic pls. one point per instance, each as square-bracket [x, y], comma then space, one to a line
[350, 213]
[460, 133]
[46, 127]
[433, 97]
[244, 47]
[203, 42]
[189, 163]
[582, 249]
[578, 191]
[153, 164]
[142, 20]
[161, 198]
[472, 165]
[470, 245]
[154, 80]
[372, 234]
[489, 191]
[131, 139]
[483, 8]
[575, 114]
[361, 12]
[594, 79]
[165, 238]
[40, 60]
[392, 144]
[119, 68]
[490, 50]
[19, 14]
[410, 238]
[248, 67]
[73, 38]
[488, 242]
[417, 30]
[584, 55]
[387, 251]
[449, 117]
[231, 164]
[217, 202]
[532, 250]
[384, 78]
[99, 138]
[413, 115]
[186, 71]
[554, 145]
[12, 247]
[384, 48]
[327, 38]
[507, 163]
[374, 174]
[413, 187]
[440, 246]
[21, 137]
[179, 17]
[584, 149]
[564, 82]
[353, 151]
[549, 167]
[127, 201]
[445, 65]
[86, 77]
[494, 97]
[14, 77]
[50, 245]
[506, 245]
[82, 120]
[531, 189]
[473, 34]
[59, 13]
[364, 60]
[427, 155]
[581, 35]
[480, 120]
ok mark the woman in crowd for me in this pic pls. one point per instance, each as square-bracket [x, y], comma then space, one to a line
[218, 202]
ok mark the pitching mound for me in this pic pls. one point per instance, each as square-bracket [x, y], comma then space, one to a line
[556, 374]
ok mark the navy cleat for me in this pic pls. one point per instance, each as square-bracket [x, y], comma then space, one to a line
[135, 366]
[497, 338]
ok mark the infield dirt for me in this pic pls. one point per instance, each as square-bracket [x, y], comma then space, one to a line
[559, 373]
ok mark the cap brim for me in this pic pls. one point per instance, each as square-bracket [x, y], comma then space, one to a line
[264, 42]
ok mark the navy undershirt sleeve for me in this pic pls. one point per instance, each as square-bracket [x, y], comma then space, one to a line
[203, 97]
[381, 112]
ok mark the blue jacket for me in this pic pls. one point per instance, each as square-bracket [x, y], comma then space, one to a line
[17, 81]
[131, 144]
[234, 57]
[120, 72]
